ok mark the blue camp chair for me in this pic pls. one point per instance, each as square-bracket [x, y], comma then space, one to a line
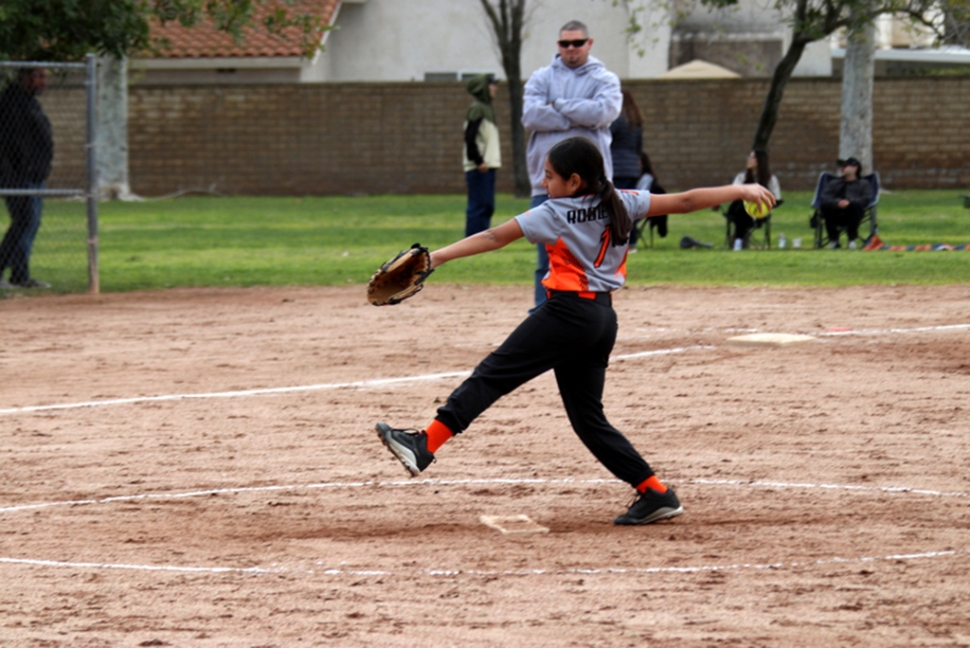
[868, 214]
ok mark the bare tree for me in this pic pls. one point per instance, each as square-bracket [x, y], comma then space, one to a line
[112, 129]
[855, 132]
[812, 20]
[955, 22]
[507, 18]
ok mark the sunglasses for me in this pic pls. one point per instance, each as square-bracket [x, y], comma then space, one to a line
[579, 42]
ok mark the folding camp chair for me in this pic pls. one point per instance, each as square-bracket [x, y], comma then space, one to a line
[650, 224]
[759, 236]
[817, 222]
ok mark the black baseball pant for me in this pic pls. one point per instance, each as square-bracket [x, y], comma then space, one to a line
[573, 336]
[838, 219]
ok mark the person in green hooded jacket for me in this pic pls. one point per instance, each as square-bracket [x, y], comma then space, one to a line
[482, 154]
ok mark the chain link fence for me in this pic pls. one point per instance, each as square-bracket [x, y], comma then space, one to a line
[47, 176]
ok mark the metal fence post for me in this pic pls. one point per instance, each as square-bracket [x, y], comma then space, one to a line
[94, 282]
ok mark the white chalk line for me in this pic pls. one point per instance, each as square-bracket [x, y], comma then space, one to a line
[322, 485]
[891, 331]
[456, 572]
[568, 481]
[360, 384]
[429, 377]
[786, 485]
[383, 382]
[589, 571]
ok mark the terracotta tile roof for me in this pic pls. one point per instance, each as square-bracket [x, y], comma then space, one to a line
[205, 41]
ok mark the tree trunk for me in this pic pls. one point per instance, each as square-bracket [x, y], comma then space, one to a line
[520, 170]
[112, 129]
[507, 21]
[779, 81]
[855, 133]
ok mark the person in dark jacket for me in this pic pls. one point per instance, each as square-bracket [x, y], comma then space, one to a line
[482, 154]
[625, 149]
[844, 201]
[627, 143]
[26, 152]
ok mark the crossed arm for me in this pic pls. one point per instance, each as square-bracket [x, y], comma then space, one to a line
[540, 114]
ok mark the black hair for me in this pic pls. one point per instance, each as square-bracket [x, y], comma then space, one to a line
[580, 156]
[763, 177]
[631, 111]
[645, 165]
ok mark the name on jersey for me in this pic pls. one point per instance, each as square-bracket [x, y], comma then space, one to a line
[574, 216]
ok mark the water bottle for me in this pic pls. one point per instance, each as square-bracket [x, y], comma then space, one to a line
[781, 241]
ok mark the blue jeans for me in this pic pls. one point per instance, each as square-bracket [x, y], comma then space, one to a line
[542, 267]
[481, 201]
[25, 212]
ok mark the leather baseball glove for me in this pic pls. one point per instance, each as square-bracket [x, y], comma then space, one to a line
[401, 277]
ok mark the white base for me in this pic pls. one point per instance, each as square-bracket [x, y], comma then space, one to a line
[769, 339]
[508, 524]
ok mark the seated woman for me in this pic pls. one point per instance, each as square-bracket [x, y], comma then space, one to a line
[758, 170]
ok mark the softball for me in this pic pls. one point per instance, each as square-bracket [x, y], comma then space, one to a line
[756, 209]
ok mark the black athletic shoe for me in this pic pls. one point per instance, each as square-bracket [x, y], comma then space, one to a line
[651, 507]
[409, 446]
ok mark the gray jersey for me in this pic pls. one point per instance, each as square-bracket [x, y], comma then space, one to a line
[576, 232]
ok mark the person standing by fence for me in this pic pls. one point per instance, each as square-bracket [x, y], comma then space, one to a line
[26, 153]
[482, 154]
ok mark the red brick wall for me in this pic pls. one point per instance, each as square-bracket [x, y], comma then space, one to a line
[406, 137]
[700, 132]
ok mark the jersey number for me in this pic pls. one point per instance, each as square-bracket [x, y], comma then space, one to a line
[604, 246]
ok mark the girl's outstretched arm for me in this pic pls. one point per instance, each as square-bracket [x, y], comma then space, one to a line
[696, 199]
[490, 239]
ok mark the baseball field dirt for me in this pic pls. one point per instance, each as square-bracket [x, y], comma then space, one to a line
[200, 468]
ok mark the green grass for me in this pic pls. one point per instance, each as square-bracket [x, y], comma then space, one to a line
[245, 241]
[905, 218]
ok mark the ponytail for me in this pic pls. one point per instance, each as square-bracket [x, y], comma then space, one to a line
[620, 222]
[580, 156]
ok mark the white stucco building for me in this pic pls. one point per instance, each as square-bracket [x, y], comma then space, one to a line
[433, 40]
[418, 40]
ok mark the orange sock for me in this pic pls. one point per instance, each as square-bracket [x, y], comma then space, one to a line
[651, 482]
[437, 433]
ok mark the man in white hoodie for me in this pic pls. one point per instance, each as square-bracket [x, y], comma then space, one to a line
[573, 95]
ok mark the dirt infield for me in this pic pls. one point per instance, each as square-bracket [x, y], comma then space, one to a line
[199, 468]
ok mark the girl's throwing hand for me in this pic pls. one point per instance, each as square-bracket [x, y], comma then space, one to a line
[757, 194]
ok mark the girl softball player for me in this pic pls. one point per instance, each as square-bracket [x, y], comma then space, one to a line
[585, 226]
